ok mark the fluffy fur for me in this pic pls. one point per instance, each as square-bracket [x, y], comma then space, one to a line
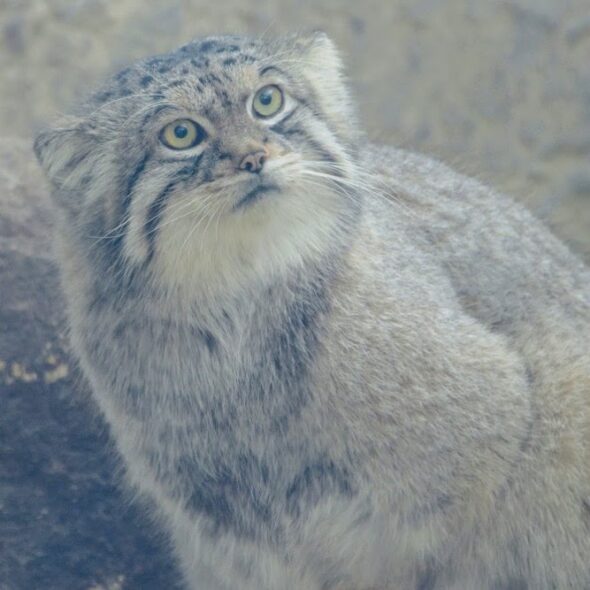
[376, 375]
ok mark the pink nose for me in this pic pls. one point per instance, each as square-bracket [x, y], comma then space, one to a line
[254, 162]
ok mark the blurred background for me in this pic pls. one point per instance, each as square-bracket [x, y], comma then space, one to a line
[499, 89]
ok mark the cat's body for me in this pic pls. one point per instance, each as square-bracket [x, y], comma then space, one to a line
[344, 384]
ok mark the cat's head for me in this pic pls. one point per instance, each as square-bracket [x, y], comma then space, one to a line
[228, 155]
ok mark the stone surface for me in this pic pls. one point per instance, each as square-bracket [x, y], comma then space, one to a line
[498, 88]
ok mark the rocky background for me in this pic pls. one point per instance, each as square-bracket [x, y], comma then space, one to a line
[497, 88]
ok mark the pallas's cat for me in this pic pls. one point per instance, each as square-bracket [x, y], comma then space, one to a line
[326, 364]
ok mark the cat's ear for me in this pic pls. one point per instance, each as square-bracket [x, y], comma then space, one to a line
[65, 152]
[324, 70]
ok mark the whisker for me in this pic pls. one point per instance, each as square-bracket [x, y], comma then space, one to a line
[365, 184]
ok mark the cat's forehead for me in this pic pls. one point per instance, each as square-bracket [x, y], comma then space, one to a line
[196, 70]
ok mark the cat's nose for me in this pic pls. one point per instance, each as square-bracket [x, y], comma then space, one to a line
[254, 162]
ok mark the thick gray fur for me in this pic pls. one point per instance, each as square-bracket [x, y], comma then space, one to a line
[376, 375]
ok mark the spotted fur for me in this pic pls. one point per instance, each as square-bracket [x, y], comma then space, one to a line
[355, 370]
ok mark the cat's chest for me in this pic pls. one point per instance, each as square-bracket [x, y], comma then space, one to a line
[220, 410]
[244, 376]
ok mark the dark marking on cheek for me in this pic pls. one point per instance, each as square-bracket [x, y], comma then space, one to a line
[229, 61]
[292, 131]
[190, 170]
[156, 209]
[208, 175]
[324, 153]
[153, 219]
[248, 59]
[135, 176]
[279, 127]
[123, 218]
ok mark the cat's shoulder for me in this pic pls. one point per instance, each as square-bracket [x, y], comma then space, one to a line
[416, 173]
[427, 193]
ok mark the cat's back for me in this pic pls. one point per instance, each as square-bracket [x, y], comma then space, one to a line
[513, 275]
[505, 264]
[506, 268]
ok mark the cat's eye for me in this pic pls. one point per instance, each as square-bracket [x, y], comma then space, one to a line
[268, 101]
[182, 134]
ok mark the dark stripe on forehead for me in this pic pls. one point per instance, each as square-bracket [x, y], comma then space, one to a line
[156, 209]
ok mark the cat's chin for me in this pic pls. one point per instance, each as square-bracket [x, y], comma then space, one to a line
[270, 233]
[259, 192]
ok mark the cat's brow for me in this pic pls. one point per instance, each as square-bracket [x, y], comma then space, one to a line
[156, 110]
[267, 69]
